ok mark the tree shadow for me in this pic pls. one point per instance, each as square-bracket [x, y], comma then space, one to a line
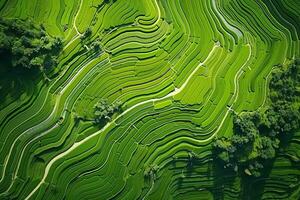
[222, 179]
[15, 81]
[253, 187]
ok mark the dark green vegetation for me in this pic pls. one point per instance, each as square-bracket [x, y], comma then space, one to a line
[104, 110]
[259, 135]
[87, 33]
[132, 105]
[24, 45]
[26, 53]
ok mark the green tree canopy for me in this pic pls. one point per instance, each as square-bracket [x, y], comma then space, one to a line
[257, 135]
[28, 46]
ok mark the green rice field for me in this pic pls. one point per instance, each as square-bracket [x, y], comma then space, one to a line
[138, 91]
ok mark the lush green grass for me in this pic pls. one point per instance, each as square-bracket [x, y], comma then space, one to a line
[180, 68]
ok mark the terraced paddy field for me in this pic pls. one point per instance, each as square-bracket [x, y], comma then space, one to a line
[140, 93]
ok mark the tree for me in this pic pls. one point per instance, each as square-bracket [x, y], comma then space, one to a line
[87, 33]
[28, 46]
[96, 45]
[267, 147]
[103, 110]
[257, 135]
[36, 62]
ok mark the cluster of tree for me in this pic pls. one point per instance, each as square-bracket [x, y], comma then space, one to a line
[104, 110]
[26, 46]
[88, 32]
[96, 45]
[258, 135]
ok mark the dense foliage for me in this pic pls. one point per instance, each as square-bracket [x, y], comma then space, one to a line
[181, 69]
[26, 46]
[258, 135]
[87, 33]
[104, 110]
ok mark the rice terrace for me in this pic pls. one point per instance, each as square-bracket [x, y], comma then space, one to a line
[150, 99]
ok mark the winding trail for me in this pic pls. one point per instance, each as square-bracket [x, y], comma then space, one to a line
[41, 124]
[75, 145]
[177, 34]
[55, 109]
[74, 22]
[159, 13]
[235, 96]
[78, 34]
[222, 18]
